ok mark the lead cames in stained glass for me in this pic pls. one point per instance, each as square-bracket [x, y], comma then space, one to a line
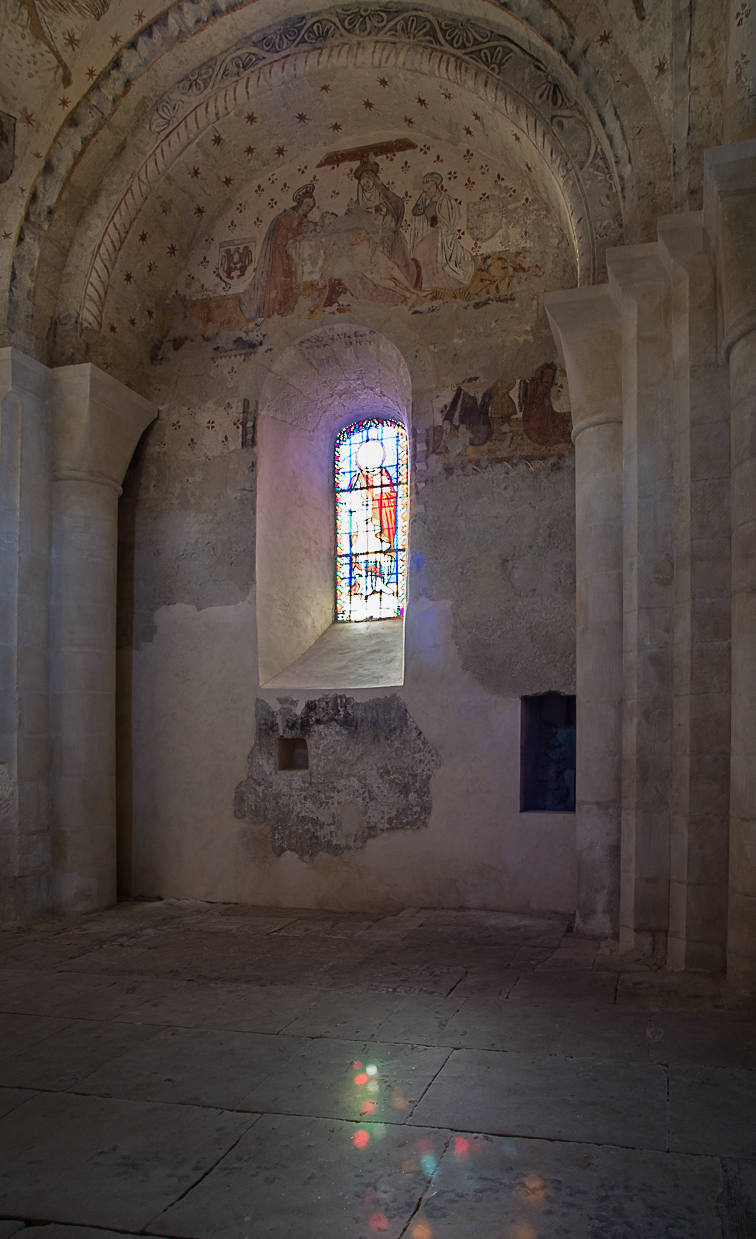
[372, 508]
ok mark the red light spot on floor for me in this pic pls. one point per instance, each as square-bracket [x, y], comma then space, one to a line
[362, 1078]
[367, 1107]
[361, 1139]
[461, 1148]
[379, 1221]
[357, 1065]
[425, 1146]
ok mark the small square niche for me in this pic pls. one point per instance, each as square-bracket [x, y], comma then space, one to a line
[292, 753]
[547, 754]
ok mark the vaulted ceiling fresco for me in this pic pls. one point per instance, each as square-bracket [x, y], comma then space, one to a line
[157, 161]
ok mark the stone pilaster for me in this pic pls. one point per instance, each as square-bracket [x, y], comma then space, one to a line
[25, 532]
[730, 214]
[586, 327]
[639, 282]
[699, 800]
[96, 424]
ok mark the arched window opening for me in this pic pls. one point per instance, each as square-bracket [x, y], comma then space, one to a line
[372, 514]
[334, 391]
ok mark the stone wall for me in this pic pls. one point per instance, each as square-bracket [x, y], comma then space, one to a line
[490, 614]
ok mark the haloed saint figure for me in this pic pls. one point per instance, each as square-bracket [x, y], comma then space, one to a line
[371, 520]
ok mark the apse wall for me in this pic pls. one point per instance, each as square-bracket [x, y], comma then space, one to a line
[413, 793]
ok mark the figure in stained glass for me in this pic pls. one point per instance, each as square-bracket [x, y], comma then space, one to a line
[371, 520]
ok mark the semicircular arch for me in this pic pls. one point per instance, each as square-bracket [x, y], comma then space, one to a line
[488, 58]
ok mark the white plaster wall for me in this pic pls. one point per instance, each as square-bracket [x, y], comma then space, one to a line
[490, 617]
[294, 544]
[194, 710]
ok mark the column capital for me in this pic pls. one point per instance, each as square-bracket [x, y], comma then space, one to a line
[585, 323]
[96, 424]
[629, 265]
[18, 372]
[730, 218]
[681, 237]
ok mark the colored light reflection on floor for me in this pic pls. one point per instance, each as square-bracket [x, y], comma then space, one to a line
[427, 1156]
[366, 1078]
[424, 1158]
[521, 1230]
[461, 1147]
[533, 1187]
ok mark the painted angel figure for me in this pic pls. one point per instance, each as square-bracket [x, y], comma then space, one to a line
[443, 260]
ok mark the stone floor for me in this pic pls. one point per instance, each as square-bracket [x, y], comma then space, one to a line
[224, 1072]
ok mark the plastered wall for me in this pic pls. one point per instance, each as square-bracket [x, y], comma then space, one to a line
[490, 615]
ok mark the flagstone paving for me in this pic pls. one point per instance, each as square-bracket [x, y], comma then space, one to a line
[207, 1071]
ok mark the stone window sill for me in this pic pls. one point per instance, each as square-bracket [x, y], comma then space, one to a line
[349, 656]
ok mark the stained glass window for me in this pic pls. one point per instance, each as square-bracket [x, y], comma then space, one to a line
[372, 507]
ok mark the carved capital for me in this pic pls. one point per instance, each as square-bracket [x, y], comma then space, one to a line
[96, 424]
[21, 373]
[585, 323]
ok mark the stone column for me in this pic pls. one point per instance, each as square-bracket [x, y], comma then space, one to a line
[700, 785]
[25, 532]
[640, 282]
[96, 424]
[730, 215]
[586, 327]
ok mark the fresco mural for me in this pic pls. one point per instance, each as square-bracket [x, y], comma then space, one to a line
[400, 228]
[60, 60]
[443, 224]
[236, 262]
[40, 15]
[480, 423]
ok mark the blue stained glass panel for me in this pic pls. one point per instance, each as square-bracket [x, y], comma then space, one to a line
[372, 513]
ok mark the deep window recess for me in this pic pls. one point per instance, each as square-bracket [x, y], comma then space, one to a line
[292, 754]
[372, 508]
[547, 754]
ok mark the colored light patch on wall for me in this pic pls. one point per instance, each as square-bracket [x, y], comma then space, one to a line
[372, 511]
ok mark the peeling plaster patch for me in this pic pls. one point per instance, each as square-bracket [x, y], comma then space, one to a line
[370, 768]
[511, 577]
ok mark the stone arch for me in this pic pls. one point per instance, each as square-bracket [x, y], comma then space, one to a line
[327, 379]
[576, 192]
[546, 45]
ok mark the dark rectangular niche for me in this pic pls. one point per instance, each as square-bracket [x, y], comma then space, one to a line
[547, 754]
[292, 753]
